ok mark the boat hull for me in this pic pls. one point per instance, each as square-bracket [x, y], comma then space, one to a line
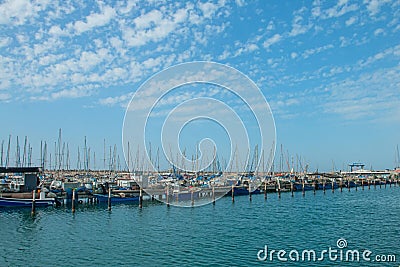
[114, 199]
[19, 202]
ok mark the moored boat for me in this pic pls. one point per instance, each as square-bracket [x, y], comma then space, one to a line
[116, 198]
[24, 202]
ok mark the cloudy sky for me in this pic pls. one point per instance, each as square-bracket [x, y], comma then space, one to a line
[329, 70]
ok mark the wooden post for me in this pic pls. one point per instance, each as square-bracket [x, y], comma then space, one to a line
[109, 198]
[390, 183]
[341, 185]
[356, 185]
[348, 184]
[73, 201]
[291, 188]
[213, 195]
[375, 184]
[385, 183]
[362, 184]
[233, 193]
[279, 190]
[249, 191]
[140, 198]
[324, 186]
[303, 189]
[265, 190]
[333, 187]
[192, 197]
[33, 202]
[167, 196]
[315, 186]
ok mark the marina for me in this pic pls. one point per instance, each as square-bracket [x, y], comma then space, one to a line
[199, 133]
[38, 188]
[225, 234]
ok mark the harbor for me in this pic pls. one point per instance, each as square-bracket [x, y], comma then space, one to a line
[228, 233]
[33, 187]
[199, 133]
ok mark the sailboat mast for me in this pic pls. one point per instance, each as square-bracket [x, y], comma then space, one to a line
[8, 151]
[1, 161]
[18, 155]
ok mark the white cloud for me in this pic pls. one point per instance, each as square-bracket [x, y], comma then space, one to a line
[75, 92]
[389, 52]
[145, 21]
[351, 21]
[339, 10]
[121, 100]
[272, 40]
[240, 3]
[95, 20]
[57, 31]
[374, 6]
[4, 96]
[16, 11]
[208, 9]
[271, 26]
[153, 28]
[379, 31]
[310, 52]
[372, 96]
[5, 41]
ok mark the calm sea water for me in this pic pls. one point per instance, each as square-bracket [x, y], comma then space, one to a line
[227, 234]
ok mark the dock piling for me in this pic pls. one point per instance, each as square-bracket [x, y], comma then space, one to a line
[233, 193]
[315, 187]
[73, 201]
[33, 202]
[141, 198]
[213, 195]
[291, 189]
[109, 199]
[279, 190]
[167, 196]
[249, 191]
[265, 190]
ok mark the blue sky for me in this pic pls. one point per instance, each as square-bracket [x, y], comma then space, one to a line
[329, 70]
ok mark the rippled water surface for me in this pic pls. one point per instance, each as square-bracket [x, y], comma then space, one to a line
[227, 234]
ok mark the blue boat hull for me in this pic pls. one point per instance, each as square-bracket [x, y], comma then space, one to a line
[19, 202]
[242, 191]
[114, 199]
[299, 187]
